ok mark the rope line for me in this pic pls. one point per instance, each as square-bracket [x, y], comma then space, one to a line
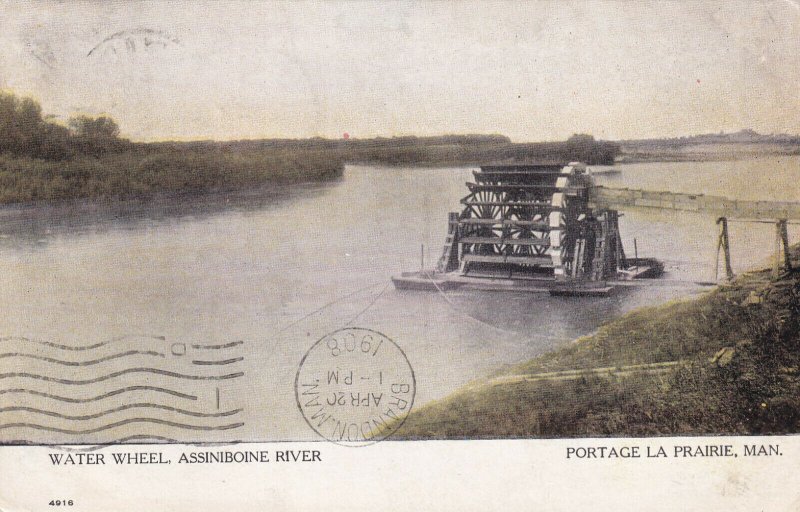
[329, 304]
[499, 329]
[383, 290]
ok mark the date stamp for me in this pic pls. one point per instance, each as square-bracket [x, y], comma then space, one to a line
[355, 386]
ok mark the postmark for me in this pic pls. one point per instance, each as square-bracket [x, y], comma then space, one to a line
[355, 386]
[132, 41]
[130, 388]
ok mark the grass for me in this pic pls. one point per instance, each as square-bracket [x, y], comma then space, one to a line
[144, 171]
[44, 160]
[753, 389]
[119, 169]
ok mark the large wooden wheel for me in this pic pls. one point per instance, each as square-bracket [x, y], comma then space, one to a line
[524, 218]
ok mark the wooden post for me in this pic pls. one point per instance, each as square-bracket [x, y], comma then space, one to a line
[577, 264]
[636, 253]
[422, 258]
[785, 238]
[622, 262]
[724, 243]
[781, 239]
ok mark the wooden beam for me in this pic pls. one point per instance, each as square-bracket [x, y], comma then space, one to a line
[533, 224]
[504, 241]
[622, 199]
[499, 258]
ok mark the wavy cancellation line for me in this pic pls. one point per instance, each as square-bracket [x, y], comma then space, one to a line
[81, 347]
[141, 405]
[218, 363]
[141, 438]
[98, 446]
[127, 371]
[112, 340]
[218, 347]
[83, 363]
[137, 437]
[109, 394]
[121, 423]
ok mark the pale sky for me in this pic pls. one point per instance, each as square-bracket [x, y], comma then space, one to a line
[532, 71]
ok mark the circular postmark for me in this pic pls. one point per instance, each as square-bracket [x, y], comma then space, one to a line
[355, 386]
[132, 41]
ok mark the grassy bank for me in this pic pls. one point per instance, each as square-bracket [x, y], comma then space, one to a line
[476, 150]
[738, 349]
[44, 160]
[445, 150]
[142, 172]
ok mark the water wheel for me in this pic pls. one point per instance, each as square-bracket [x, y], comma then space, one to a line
[530, 220]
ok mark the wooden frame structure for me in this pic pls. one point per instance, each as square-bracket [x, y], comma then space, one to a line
[535, 222]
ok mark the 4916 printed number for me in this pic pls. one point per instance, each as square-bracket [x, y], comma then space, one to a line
[61, 503]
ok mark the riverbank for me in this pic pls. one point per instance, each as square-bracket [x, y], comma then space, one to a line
[44, 161]
[724, 363]
[136, 170]
[143, 172]
[645, 152]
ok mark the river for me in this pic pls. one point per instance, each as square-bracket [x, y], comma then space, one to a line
[278, 269]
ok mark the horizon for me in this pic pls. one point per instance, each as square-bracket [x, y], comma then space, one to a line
[63, 121]
[251, 71]
[453, 134]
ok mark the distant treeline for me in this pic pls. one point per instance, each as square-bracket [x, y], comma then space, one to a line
[476, 151]
[433, 151]
[746, 136]
[710, 146]
[43, 160]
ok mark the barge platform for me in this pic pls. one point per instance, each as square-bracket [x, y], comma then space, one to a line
[641, 268]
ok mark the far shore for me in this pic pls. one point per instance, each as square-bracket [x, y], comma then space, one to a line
[126, 170]
[145, 172]
[654, 152]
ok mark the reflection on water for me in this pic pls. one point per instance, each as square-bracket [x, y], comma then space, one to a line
[279, 268]
[35, 224]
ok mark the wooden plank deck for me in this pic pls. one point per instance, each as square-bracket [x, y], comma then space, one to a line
[624, 199]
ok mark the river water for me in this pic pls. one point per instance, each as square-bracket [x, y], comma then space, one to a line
[279, 269]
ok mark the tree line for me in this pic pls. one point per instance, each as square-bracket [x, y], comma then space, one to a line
[25, 132]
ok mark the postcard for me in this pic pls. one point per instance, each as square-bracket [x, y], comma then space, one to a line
[399, 255]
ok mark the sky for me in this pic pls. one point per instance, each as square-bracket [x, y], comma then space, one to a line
[529, 70]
